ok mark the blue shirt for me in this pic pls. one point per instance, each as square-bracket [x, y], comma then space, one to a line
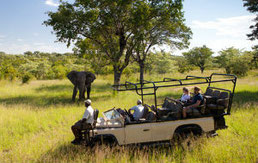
[197, 97]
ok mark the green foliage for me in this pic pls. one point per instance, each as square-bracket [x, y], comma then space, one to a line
[26, 78]
[40, 65]
[160, 63]
[119, 28]
[183, 65]
[199, 56]
[252, 6]
[234, 61]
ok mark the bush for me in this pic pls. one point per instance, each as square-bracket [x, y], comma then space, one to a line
[183, 66]
[240, 67]
[26, 78]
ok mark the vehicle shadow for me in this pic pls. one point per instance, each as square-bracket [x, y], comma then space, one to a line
[245, 97]
[68, 152]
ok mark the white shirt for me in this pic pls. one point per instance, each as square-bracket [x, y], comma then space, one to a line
[138, 111]
[185, 97]
[88, 114]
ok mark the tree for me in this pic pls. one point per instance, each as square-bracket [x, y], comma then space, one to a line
[234, 61]
[115, 27]
[107, 24]
[163, 62]
[159, 23]
[95, 57]
[252, 6]
[226, 57]
[182, 65]
[199, 56]
[254, 61]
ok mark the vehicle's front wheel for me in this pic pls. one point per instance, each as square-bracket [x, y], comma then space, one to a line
[107, 140]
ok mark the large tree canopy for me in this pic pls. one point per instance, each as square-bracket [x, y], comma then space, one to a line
[199, 56]
[166, 27]
[116, 27]
[252, 6]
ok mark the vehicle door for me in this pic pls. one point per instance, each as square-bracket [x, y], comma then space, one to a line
[138, 133]
[163, 130]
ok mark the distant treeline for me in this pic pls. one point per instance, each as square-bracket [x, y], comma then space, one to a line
[40, 65]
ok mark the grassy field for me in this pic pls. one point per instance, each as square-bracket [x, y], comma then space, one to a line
[35, 122]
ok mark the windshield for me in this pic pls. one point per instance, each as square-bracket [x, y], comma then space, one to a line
[112, 114]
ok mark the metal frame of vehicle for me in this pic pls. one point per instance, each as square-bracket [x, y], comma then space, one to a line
[139, 87]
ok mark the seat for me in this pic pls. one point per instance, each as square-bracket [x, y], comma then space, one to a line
[214, 96]
[86, 132]
[215, 93]
[145, 112]
[95, 117]
[208, 92]
[220, 105]
[202, 107]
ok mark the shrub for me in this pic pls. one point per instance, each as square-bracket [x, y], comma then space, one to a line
[240, 67]
[26, 78]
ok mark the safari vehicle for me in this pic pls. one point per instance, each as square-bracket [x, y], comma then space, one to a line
[165, 124]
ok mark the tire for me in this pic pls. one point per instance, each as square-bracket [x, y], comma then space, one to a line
[185, 134]
[106, 140]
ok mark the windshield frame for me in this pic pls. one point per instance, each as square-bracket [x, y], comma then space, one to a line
[114, 110]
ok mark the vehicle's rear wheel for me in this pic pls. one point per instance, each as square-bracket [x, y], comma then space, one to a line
[185, 135]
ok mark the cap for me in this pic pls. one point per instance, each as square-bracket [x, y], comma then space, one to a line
[139, 101]
[88, 101]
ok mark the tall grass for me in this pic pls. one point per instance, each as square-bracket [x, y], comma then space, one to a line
[35, 122]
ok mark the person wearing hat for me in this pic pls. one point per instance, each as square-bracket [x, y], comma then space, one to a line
[84, 123]
[138, 110]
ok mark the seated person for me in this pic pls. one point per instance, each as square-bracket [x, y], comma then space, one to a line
[83, 124]
[138, 110]
[197, 101]
[186, 95]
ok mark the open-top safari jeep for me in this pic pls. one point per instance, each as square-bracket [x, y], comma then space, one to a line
[164, 124]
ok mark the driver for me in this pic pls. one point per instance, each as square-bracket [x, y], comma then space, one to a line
[84, 123]
[138, 110]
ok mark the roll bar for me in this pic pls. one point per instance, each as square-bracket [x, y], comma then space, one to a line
[139, 86]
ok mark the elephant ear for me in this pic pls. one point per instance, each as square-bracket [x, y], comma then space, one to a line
[72, 76]
[90, 77]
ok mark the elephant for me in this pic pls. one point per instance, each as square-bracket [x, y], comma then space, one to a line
[81, 80]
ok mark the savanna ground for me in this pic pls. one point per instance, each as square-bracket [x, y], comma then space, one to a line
[35, 122]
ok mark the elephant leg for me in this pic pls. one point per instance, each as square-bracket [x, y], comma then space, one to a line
[81, 93]
[88, 92]
[75, 90]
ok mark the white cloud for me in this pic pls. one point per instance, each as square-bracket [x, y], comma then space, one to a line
[35, 34]
[19, 39]
[232, 26]
[51, 3]
[39, 44]
[2, 36]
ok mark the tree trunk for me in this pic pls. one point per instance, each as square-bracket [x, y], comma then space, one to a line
[141, 64]
[117, 76]
[202, 69]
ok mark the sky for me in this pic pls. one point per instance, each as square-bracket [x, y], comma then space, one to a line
[218, 24]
